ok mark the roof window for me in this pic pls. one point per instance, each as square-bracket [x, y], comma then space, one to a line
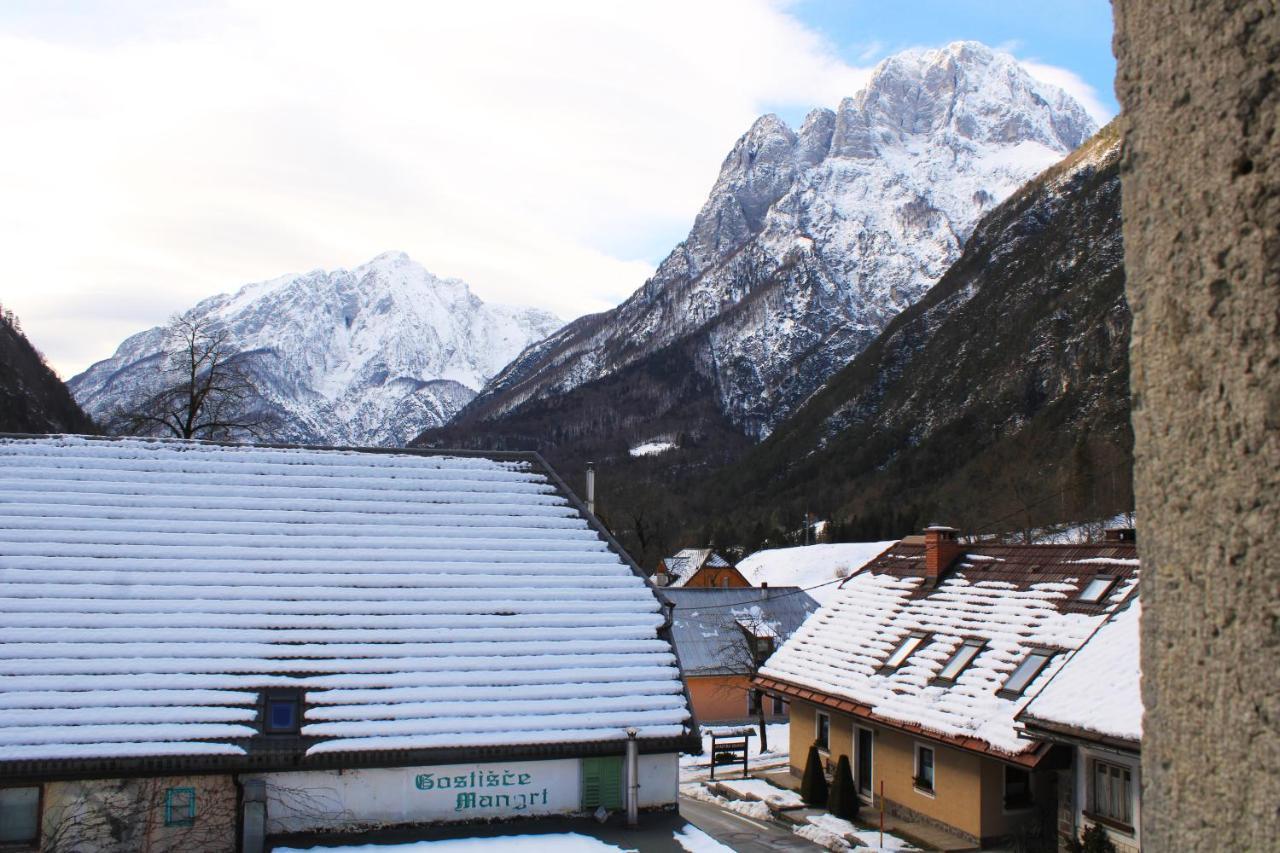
[904, 650]
[1025, 673]
[1095, 589]
[961, 659]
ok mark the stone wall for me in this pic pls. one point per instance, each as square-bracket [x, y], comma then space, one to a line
[1200, 83]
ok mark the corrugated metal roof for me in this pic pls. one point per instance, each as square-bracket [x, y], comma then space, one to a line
[706, 626]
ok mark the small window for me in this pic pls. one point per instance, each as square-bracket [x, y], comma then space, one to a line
[1025, 673]
[779, 706]
[282, 714]
[1096, 589]
[754, 700]
[1112, 795]
[900, 654]
[823, 726]
[962, 658]
[19, 815]
[924, 768]
[180, 807]
[1017, 788]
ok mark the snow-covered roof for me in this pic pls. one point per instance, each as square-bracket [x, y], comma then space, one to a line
[1012, 599]
[708, 622]
[817, 568]
[686, 563]
[1099, 690]
[152, 590]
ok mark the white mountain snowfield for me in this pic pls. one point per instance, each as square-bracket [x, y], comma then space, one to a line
[811, 567]
[811, 241]
[367, 356]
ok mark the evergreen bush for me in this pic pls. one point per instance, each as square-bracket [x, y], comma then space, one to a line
[843, 801]
[813, 787]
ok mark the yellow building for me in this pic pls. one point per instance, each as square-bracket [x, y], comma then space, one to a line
[917, 668]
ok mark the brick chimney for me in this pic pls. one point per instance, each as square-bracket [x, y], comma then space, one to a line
[940, 549]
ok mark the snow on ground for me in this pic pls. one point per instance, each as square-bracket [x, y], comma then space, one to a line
[830, 831]
[564, 842]
[694, 840]
[760, 789]
[652, 448]
[779, 750]
[810, 565]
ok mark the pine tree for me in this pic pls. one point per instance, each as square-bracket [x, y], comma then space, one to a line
[813, 787]
[843, 800]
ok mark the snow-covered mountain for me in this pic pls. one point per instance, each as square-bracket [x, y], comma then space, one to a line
[811, 241]
[367, 356]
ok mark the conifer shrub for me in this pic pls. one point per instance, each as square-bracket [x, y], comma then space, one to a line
[843, 800]
[1095, 840]
[813, 786]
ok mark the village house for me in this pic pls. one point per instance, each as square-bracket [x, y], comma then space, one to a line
[698, 567]
[1093, 706]
[917, 667]
[202, 641]
[723, 636]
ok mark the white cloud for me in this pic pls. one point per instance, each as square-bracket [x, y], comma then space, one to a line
[1074, 85]
[506, 143]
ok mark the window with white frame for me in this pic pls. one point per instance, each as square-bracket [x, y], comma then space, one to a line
[822, 731]
[1095, 589]
[924, 767]
[19, 815]
[1111, 796]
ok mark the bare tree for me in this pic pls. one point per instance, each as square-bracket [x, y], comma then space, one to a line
[753, 637]
[206, 390]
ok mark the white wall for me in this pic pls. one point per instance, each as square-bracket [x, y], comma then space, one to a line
[337, 799]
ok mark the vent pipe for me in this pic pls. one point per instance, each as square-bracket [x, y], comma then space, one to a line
[591, 488]
[633, 778]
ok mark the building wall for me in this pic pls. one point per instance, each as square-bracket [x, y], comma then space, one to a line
[127, 815]
[1201, 194]
[968, 795]
[352, 800]
[721, 698]
[721, 578]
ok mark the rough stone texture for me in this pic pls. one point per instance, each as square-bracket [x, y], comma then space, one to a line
[1201, 187]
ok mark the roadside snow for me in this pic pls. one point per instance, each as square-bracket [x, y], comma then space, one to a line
[759, 789]
[810, 565]
[694, 840]
[832, 832]
[565, 842]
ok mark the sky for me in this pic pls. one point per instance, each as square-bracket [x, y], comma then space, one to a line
[548, 153]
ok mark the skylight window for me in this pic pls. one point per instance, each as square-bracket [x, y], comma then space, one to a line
[1095, 589]
[900, 654]
[962, 658]
[1025, 673]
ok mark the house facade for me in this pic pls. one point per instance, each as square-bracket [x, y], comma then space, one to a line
[217, 647]
[917, 668]
[723, 635]
[698, 567]
[1093, 707]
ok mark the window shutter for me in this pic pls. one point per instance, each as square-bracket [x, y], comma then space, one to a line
[602, 782]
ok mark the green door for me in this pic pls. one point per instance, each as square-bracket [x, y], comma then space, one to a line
[602, 783]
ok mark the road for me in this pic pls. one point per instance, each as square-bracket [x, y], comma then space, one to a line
[743, 834]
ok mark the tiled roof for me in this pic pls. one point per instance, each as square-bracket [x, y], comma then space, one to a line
[1099, 690]
[1010, 598]
[153, 589]
[705, 622]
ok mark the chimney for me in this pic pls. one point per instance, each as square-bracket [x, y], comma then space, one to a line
[591, 488]
[940, 549]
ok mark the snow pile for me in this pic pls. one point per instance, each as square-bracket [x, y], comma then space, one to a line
[154, 589]
[826, 826]
[694, 840]
[811, 567]
[840, 649]
[367, 356]
[1100, 688]
[766, 792]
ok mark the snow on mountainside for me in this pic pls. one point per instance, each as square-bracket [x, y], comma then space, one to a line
[368, 356]
[811, 241]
